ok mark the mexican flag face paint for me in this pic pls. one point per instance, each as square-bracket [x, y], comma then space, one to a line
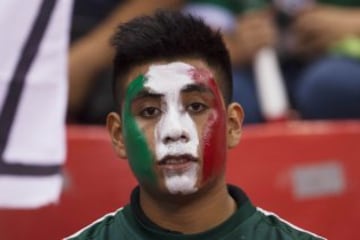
[188, 131]
[139, 154]
[214, 135]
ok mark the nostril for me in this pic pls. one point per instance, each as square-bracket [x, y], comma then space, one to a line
[182, 138]
[167, 139]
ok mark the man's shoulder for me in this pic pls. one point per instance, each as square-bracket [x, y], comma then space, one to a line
[285, 228]
[99, 229]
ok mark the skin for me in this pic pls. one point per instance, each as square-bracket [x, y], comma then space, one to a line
[317, 29]
[255, 30]
[185, 211]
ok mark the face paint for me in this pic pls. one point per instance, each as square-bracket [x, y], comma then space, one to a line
[139, 154]
[214, 135]
[175, 133]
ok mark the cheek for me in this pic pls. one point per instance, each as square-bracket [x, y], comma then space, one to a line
[138, 149]
[214, 145]
[147, 131]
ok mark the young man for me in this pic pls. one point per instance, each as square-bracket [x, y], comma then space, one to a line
[174, 124]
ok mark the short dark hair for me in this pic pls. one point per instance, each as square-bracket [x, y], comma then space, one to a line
[168, 35]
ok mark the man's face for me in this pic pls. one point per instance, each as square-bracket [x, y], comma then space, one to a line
[174, 126]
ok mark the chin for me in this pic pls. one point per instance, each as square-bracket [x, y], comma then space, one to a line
[179, 186]
[182, 183]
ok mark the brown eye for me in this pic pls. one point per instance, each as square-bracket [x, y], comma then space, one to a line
[196, 107]
[150, 112]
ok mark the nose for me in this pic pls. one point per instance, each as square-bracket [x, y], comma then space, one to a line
[174, 128]
[176, 136]
[175, 131]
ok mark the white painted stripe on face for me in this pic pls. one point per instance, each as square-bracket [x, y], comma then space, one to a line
[184, 183]
[169, 79]
[175, 133]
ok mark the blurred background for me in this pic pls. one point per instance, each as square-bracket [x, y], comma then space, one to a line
[296, 72]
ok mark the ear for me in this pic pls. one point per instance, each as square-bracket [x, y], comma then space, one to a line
[113, 124]
[235, 117]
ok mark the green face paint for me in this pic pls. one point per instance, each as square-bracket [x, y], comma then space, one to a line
[139, 155]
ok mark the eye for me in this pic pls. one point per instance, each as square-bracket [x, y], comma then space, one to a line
[196, 107]
[150, 112]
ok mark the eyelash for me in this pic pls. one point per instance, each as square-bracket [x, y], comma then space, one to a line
[153, 112]
[202, 107]
[145, 112]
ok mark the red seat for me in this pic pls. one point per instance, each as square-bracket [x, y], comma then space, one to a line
[308, 173]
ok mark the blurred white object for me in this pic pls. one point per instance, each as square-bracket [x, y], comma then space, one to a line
[293, 7]
[271, 90]
[33, 98]
[215, 16]
[272, 93]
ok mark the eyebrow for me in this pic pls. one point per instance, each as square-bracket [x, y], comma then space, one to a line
[189, 88]
[196, 88]
[146, 93]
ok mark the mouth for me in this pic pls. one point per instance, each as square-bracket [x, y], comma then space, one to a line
[178, 162]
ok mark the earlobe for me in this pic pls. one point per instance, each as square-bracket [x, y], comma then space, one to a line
[234, 124]
[113, 124]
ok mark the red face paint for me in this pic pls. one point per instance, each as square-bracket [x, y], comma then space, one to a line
[214, 134]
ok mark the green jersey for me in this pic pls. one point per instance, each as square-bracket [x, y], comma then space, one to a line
[248, 222]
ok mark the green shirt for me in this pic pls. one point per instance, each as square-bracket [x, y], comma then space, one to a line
[248, 222]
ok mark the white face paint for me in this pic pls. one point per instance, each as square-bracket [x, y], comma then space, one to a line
[168, 80]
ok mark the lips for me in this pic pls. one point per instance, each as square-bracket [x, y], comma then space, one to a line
[178, 162]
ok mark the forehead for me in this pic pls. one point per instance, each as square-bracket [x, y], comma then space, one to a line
[179, 74]
[164, 75]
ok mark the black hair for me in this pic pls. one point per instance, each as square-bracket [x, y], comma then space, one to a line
[169, 35]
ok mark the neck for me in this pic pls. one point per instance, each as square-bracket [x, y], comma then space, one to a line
[190, 214]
